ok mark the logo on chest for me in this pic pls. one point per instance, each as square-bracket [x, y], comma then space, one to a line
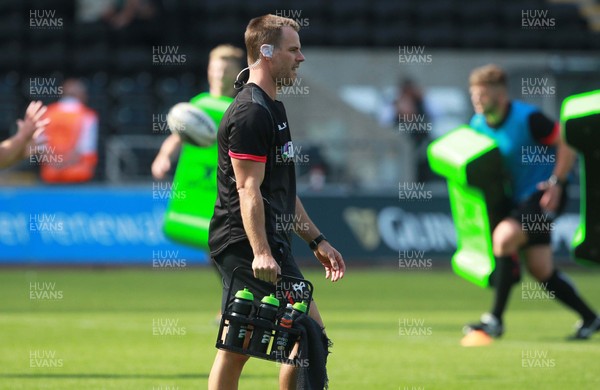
[290, 154]
[287, 150]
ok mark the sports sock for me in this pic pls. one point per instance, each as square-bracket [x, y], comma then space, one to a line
[565, 291]
[503, 280]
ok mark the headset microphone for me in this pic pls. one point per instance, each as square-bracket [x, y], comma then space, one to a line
[238, 84]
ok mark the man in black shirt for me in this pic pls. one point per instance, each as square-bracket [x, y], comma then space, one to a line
[257, 186]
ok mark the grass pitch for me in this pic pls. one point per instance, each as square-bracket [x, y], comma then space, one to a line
[155, 329]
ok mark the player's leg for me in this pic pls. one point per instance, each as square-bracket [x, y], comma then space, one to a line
[540, 265]
[226, 370]
[287, 373]
[507, 238]
[538, 259]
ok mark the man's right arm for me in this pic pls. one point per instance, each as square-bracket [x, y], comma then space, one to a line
[162, 163]
[249, 176]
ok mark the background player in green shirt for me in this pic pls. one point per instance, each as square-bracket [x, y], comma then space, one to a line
[194, 188]
[185, 215]
[225, 62]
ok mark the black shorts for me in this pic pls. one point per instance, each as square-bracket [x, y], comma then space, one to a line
[536, 223]
[240, 254]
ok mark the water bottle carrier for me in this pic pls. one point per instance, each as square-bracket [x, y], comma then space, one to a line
[284, 298]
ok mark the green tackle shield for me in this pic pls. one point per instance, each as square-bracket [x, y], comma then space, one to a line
[193, 195]
[580, 124]
[472, 165]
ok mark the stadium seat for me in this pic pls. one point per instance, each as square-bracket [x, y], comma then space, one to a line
[131, 59]
[435, 11]
[350, 10]
[566, 39]
[310, 9]
[257, 8]
[137, 33]
[353, 34]
[218, 9]
[594, 41]
[216, 32]
[512, 12]
[9, 83]
[567, 16]
[10, 104]
[12, 27]
[133, 117]
[64, 8]
[392, 11]
[175, 89]
[439, 35]
[481, 36]
[47, 58]
[89, 33]
[524, 39]
[8, 6]
[90, 59]
[478, 13]
[394, 34]
[135, 86]
[316, 34]
[11, 56]
[45, 36]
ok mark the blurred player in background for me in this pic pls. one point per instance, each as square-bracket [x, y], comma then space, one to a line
[29, 135]
[255, 187]
[224, 63]
[538, 163]
[72, 149]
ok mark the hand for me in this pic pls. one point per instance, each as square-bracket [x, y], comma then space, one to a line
[265, 268]
[37, 143]
[332, 261]
[160, 166]
[32, 125]
[552, 194]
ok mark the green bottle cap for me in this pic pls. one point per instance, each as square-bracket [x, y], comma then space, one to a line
[244, 294]
[270, 300]
[300, 306]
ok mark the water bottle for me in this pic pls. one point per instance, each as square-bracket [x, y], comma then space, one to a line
[261, 336]
[241, 308]
[283, 344]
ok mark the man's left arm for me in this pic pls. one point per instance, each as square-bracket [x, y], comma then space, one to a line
[328, 256]
[547, 132]
[555, 185]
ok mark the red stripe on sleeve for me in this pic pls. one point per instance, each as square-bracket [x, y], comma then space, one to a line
[243, 156]
[550, 139]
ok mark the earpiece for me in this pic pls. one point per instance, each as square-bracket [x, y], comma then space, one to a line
[266, 50]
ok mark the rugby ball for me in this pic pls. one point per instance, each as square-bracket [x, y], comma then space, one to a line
[192, 124]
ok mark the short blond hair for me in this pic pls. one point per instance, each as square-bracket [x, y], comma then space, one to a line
[227, 53]
[265, 29]
[489, 75]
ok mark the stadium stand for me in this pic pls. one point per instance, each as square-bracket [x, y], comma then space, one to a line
[126, 87]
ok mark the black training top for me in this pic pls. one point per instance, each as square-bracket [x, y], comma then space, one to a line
[255, 128]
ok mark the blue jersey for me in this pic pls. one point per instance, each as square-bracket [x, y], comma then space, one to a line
[526, 160]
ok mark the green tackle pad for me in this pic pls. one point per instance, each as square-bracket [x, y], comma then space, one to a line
[472, 165]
